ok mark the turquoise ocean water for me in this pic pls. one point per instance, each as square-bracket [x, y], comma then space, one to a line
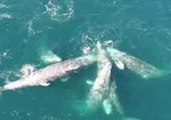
[29, 29]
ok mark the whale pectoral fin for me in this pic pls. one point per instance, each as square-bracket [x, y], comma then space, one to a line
[119, 64]
[89, 82]
[107, 106]
[65, 79]
[44, 84]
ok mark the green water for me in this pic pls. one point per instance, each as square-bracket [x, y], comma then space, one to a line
[141, 28]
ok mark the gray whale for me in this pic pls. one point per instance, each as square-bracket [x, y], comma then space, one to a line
[144, 69]
[50, 73]
[103, 91]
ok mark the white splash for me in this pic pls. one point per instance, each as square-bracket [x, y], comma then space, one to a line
[30, 24]
[8, 75]
[3, 5]
[60, 13]
[86, 49]
[29, 27]
[108, 43]
[27, 70]
[5, 16]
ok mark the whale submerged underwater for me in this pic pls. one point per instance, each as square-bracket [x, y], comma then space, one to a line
[103, 91]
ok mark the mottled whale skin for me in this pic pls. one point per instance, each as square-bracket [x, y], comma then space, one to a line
[102, 92]
[50, 73]
[100, 88]
[144, 69]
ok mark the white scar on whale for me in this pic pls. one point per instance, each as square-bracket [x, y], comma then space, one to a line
[102, 93]
[145, 70]
[50, 73]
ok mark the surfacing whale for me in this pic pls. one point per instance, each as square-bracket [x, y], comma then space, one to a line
[144, 69]
[50, 73]
[102, 92]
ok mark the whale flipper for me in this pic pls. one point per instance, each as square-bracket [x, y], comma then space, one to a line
[107, 106]
[114, 98]
[119, 64]
[44, 84]
[89, 82]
